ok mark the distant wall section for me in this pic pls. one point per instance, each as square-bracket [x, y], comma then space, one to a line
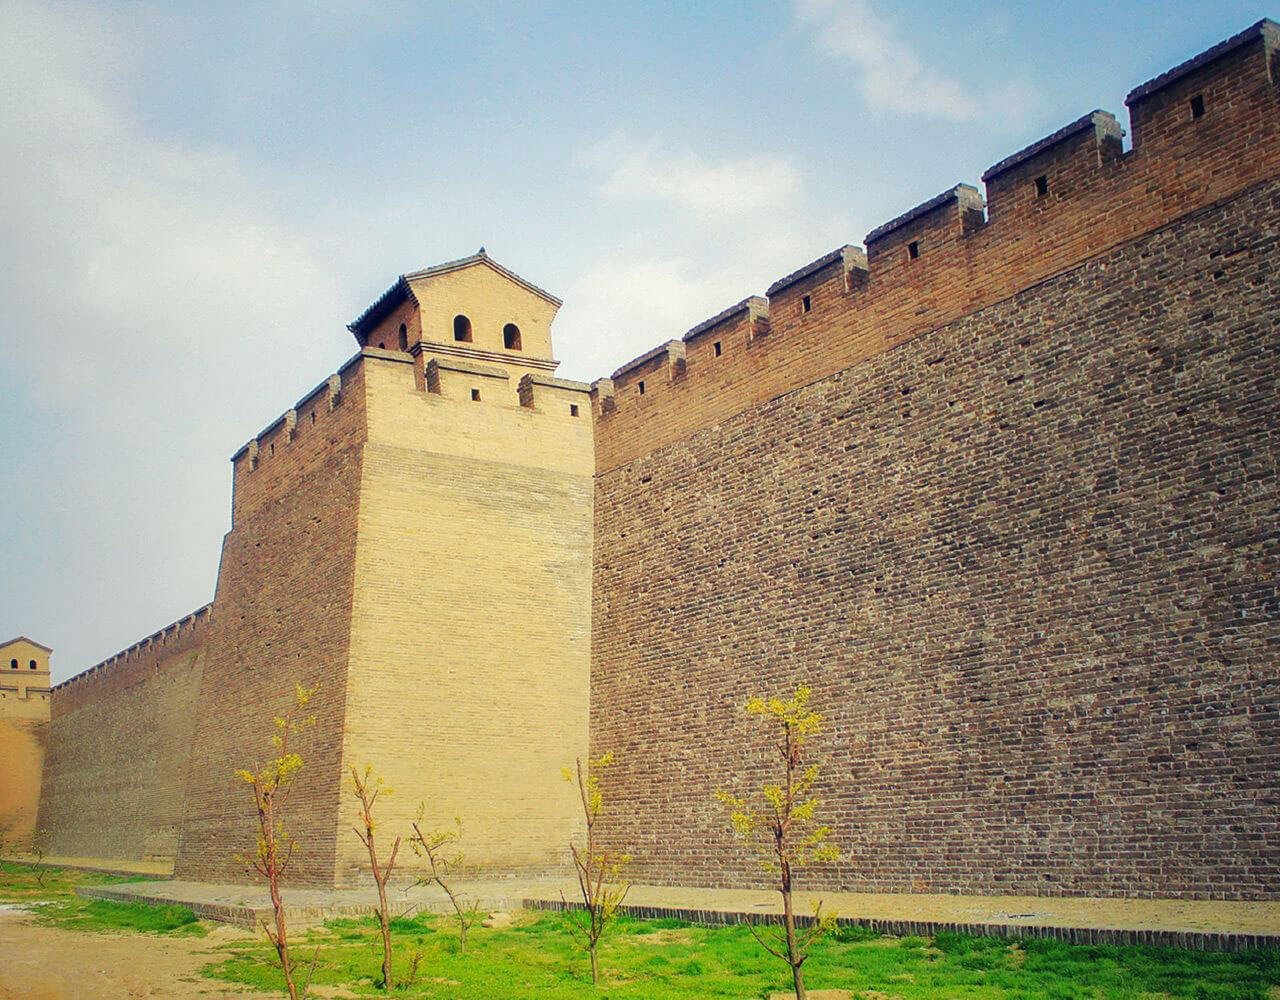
[118, 744]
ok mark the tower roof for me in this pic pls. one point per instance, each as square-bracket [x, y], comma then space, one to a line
[23, 638]
[402, 289]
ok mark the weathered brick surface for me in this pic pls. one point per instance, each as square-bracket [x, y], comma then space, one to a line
[282, 618]
[1027, 562]
[118, 743]
[470, 639]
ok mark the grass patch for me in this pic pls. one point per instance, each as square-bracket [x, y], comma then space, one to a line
[671, 960]
[53, 889]
[109, 915]
[23, 883]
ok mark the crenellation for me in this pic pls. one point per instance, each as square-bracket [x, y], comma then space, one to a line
[1063, 164]
[943, 218]
[184, 628]
[952, 254]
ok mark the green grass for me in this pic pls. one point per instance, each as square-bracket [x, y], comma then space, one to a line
[23, 883]
[669, 960]
[51, 892]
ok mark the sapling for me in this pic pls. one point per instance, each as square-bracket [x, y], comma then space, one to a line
[438, 847]
[780, 824]
[367, 789]
[271, 783]
[599, 870]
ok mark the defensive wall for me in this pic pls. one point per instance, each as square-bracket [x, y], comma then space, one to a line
[114, 786]
[1000, 487]
[1002, 490]
[413, 539]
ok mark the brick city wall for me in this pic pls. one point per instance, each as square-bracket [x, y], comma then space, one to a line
[118, 742]
[470, 640]
[1028, 564]
[1096, 197]
[283, 615]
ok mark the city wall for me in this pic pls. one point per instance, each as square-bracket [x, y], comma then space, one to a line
[1021, 544]
[1000, 487]
[470, 638]
[120, 733]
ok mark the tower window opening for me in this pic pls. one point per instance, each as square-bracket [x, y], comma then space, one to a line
[404, 337]
[913, 249]
[13, 664]
[313, 418]
[382, 345]
[717, 347]
[641, 386]
[33, 665]
[1197, 106]
[806, 304]
[511, 337]
[462, 329]
[573, 409]
[1042, 186]
[475, 395]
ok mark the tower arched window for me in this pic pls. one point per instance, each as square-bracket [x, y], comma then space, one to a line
[13, 664]
[462, 328]
[511, 337]
[33, 665]
[404, 337]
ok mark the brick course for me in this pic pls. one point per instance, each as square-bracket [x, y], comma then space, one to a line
[1028, 564]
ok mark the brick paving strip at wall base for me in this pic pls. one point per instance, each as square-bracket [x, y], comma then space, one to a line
[1201, 925]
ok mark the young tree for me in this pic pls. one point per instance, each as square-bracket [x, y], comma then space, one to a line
[437, 846]
[271, 783]
[367, 788]
[39, 850]
[598, 869]
[781, 827]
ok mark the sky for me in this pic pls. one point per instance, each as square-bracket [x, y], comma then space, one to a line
[195, 199]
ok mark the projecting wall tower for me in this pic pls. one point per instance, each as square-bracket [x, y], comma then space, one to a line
[414, 537]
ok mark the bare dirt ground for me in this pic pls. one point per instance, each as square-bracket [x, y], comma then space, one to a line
[49, 963]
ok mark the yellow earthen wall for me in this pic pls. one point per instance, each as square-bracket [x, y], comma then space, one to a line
[470, 632]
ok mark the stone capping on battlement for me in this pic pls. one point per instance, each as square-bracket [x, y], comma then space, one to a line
[197, 619]
[965, 196]
[971, 215]
[526, 389]
[1103, 121]
[288, 421]
[755, 305]
[657, 352]
[1266, 29]
[850, 256]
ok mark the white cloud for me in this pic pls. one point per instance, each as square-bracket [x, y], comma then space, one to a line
[149, 303]
[727, 189]
[891, 76]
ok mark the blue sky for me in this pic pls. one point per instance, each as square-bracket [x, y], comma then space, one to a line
[196, 198]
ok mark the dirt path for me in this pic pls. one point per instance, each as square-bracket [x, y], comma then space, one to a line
[47, 963]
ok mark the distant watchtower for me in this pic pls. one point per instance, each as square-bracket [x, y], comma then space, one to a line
[24, 680]
[24, 717]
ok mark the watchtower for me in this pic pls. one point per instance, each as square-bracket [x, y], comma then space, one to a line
[24, 717]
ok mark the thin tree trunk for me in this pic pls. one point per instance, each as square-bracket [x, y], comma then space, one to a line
[386, 936]
[794, 958]
[595, 968]
[267, 814]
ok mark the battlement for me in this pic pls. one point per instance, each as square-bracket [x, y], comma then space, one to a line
[1202, 132]
[183, 631]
